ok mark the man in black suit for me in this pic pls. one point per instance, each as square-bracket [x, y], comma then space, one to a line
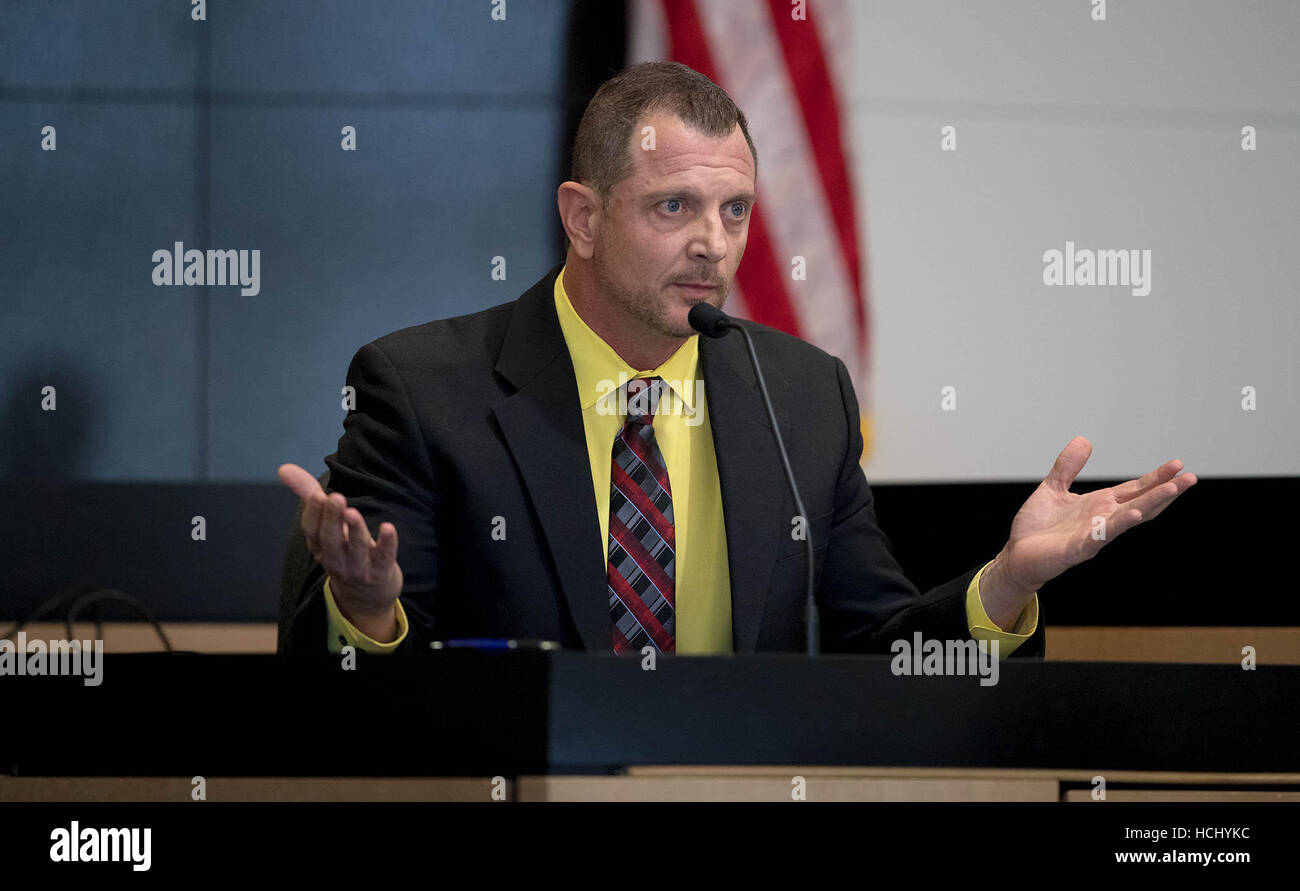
[580, 466]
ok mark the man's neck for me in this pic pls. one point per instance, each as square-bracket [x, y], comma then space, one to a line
[640, 349]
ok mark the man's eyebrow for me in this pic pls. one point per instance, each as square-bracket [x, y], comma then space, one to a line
[661, 194]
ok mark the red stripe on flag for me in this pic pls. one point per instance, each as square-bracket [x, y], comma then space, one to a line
[763, 280]
[810, 78]
[760, 277]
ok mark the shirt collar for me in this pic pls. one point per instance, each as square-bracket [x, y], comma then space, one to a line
[601, 371]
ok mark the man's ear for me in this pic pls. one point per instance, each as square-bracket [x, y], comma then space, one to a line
[580, 210]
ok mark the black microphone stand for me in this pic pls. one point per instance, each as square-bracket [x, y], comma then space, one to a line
[713, 322]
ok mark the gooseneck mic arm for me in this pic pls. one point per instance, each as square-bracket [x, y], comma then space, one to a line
[713, 322]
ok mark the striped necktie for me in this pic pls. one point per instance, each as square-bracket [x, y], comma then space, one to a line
[642, 544]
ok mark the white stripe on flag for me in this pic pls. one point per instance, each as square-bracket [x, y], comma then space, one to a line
[834, 30]
[834, 21]
[647, 31]
[752, 69]
[736, 304]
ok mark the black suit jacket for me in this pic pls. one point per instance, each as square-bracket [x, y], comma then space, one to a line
[464, 423]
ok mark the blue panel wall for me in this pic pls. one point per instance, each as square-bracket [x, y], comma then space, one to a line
[225, 134]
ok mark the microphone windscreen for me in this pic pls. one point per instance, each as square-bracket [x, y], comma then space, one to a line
[708, 320]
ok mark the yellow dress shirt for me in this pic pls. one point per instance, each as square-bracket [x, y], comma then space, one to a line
[681, 424]
[702, 580]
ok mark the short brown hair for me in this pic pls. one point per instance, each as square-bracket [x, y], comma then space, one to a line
[602, 154]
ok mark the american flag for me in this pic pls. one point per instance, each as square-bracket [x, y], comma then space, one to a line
[786, 65]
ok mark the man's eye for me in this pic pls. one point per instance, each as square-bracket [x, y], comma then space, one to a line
[738, 208]
[673, 205]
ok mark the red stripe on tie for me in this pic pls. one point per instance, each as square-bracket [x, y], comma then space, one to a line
[621, 644]
[633, 493]
[637, 447]
[632, 600]
[644, 561]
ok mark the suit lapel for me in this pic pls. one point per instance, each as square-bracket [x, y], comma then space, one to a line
[749, 471]
[542, 425]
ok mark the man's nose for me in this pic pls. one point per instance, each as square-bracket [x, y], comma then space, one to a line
[710, 241]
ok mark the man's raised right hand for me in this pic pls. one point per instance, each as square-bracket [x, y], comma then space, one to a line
[364, 576]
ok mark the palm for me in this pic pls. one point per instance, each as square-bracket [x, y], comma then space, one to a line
[1056, 528]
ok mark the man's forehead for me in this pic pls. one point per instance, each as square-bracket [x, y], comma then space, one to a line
[679, 148]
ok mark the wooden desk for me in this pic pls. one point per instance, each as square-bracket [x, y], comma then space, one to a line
[1221, 645]
[667, 783]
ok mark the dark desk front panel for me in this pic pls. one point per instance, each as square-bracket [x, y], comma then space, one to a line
[513, 714]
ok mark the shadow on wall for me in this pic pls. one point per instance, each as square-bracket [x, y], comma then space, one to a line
[48, 421]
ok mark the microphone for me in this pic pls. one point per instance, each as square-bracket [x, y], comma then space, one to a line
[709, 320]
[713, 322]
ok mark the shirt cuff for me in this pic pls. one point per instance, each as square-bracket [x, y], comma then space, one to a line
[984, 628]
[340, 632]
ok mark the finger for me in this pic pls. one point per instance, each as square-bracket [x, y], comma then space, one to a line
[358, 540]
[384, 553]
[303, 484]
[1121, 521]
[1133, 488]
[312, 498]
[1069, 463]
[1156, 500]
[312, 512]
[331, 532]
